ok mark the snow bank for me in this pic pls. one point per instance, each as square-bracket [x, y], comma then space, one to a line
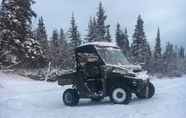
[24, 98]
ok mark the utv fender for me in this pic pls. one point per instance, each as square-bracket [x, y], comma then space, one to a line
[146, 92]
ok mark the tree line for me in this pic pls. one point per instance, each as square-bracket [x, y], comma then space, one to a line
[23, 46]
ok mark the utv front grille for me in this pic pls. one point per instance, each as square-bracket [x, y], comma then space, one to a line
[130, 75]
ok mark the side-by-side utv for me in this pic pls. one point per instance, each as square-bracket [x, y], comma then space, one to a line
[102, 70]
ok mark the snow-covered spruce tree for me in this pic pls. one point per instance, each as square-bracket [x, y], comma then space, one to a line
[41, 37]
[97, 30]
[181, 52]
[74, 40]
[140, 48]
[122, 39]
[65, 57]
[55, 49]
[169, 57]
[148, 57]
[62, 36]
[125, 35]
[108, 36]
[157, 56]
[101, 28]
[55, 38]
[15, 32]
[183, 57]
[181, 62]
[91, 30]
[73, 33]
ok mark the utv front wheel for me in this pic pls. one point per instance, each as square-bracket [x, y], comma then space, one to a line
[120, 95]
[71, 97]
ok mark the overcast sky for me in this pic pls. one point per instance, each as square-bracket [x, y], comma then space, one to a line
[169, 15]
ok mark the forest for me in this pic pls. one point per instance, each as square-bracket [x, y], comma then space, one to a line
[22, 46]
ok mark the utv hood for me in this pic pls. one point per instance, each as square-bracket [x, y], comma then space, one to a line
[134, 71]
[129, 68]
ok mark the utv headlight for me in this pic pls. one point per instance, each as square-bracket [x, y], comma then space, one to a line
[121, 71]
[143, 75]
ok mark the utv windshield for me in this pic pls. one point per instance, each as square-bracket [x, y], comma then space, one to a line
[112, 56]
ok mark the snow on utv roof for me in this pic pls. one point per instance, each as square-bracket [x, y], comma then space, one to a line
[104, 44]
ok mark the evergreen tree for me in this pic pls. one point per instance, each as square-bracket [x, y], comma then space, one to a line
[60, 53]
[148, 57]
[55, 38]
[181, 60]
[15, 31]
[62, 41]
[118, 35]
[100, 24]
[54, 48]
[108, 36]
[157, 50]
[126, 40]
[122, 39]
[91, 30]
[75, 40]
[94, 35]
[157, 57]
[74, 34]
[63, 57]
[169, 59]
[140, 48]
[181, 52]
[97, 30]
[66, 52]
[62, 36]
[41, 36]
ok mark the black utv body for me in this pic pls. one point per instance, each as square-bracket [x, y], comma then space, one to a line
[102, 70]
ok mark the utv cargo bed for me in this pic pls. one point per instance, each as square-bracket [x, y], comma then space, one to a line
[66, 79]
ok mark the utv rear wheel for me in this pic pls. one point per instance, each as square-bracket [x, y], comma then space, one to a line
[146, 92]
[120, 95]
[71, 97]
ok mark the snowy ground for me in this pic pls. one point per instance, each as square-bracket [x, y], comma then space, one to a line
[24, 98]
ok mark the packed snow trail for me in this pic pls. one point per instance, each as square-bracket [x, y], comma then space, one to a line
[24, 98]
